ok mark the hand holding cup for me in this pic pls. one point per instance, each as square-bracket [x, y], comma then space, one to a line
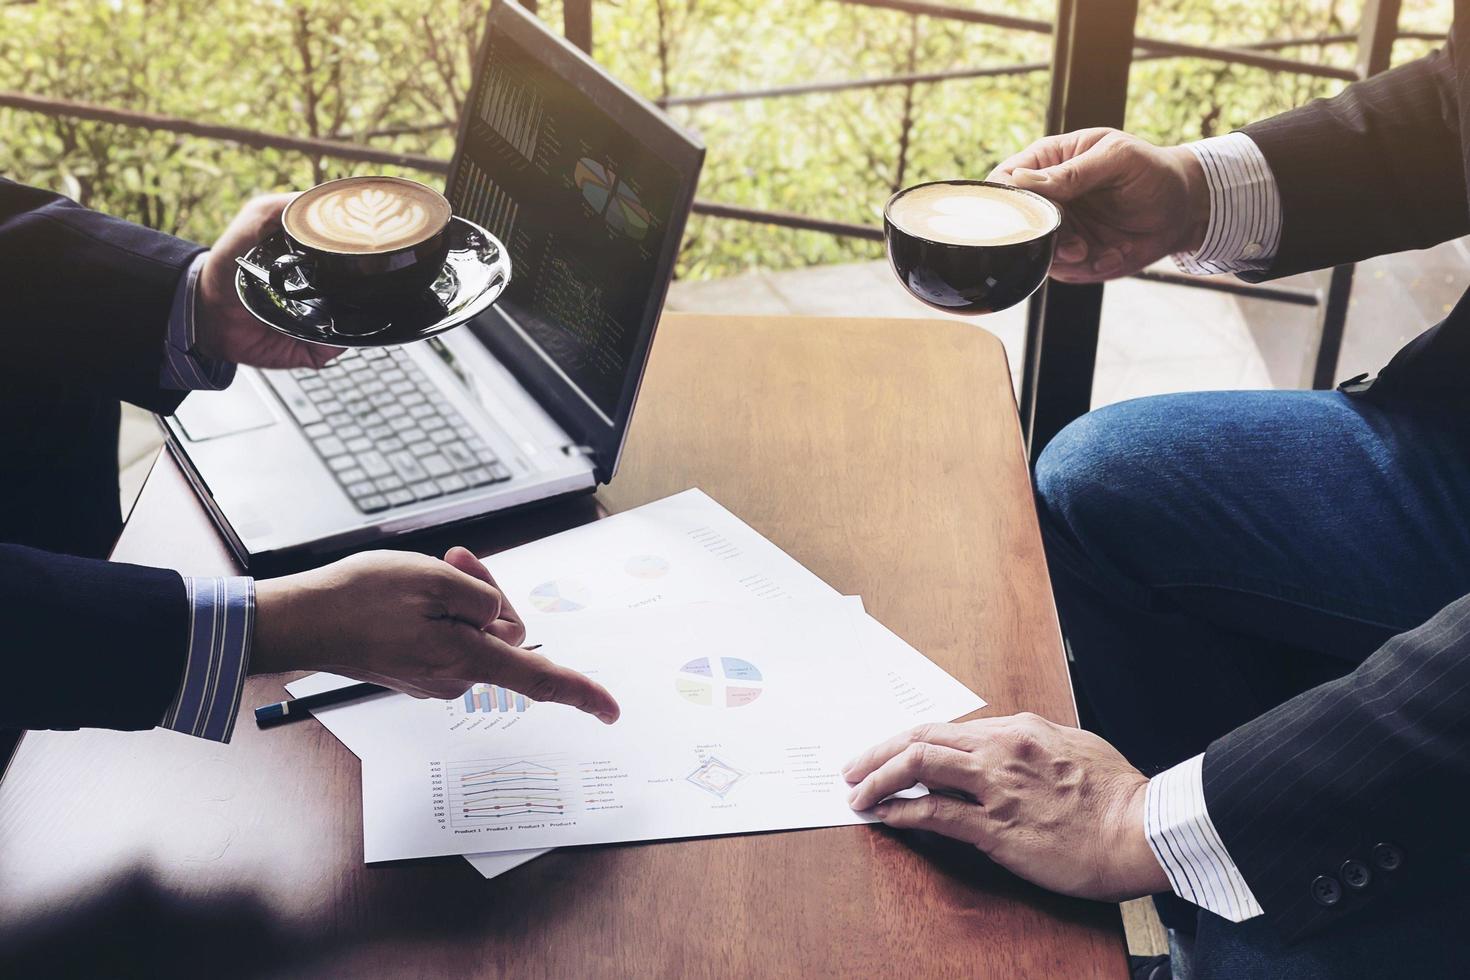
[1128, 203]
[224, 330]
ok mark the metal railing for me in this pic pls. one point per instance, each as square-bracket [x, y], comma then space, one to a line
[1093, 48]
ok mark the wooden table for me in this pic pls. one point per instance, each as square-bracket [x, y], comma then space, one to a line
[883, 454]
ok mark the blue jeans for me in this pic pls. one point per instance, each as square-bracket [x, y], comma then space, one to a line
[1214, 554]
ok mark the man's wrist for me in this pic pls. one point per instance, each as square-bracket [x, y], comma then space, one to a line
[277, 627]
[1135, 867]
[1196, 223]
[205, 301]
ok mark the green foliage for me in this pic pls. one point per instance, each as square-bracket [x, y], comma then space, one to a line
[392, 73]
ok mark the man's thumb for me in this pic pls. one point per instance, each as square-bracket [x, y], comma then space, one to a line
[1066, 181]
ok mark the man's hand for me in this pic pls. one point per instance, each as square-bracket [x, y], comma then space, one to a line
[1126, 202]
[426, 627]
[1058, 806]
[223, 329]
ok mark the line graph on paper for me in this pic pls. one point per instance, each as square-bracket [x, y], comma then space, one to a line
[489, 791]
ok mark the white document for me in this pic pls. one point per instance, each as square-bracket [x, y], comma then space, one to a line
[736, 718]
[682, 548]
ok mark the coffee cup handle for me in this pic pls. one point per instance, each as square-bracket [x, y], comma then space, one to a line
[280, 268]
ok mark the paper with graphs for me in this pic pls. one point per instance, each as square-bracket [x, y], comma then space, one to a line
[714, 641]
[736, 718]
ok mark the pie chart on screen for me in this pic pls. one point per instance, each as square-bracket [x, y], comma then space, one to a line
[594, 181]
[618, 203]
[628, 215]
[724, 682]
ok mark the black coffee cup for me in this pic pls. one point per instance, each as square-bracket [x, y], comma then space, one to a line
[361, 278]
[970, 278]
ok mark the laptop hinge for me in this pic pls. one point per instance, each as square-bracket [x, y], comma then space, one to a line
[572, 449]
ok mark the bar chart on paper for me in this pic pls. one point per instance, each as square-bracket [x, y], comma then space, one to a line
[486, 706]
[489, 698]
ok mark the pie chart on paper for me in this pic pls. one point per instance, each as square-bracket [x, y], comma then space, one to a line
[726, 682]
[560, 595]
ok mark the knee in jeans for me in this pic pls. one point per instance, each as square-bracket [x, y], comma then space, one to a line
[1099, 472]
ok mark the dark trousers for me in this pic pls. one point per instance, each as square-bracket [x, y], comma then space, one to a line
[1215, 554]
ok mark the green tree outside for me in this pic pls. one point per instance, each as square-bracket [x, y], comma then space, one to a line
[392, 74]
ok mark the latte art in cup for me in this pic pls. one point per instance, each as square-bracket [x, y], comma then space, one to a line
[970, 246]
[362, 242]
[365, 215]
[971, 214]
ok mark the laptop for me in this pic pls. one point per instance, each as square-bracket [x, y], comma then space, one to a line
[588, 186]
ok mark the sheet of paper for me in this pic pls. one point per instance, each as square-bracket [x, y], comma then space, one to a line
[687, 547]
[359, 730]
[736, 718]
[682, 548]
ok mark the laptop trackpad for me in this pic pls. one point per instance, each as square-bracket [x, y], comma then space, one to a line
[212, 414]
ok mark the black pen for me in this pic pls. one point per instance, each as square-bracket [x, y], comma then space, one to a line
[283, 711]
[294, 709]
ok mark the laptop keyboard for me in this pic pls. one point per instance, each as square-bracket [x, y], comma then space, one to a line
[385, 431]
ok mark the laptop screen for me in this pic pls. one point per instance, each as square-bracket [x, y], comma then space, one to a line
[576, 177]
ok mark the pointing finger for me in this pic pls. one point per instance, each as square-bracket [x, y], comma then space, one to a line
[494, 661]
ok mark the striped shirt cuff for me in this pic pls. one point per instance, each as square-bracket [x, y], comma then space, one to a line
[221, 623]
[1183, 838]
[183, 368]
[1245, 208]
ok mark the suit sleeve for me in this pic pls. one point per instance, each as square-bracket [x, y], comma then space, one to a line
[1377, 169]
[88, 643]
[87, 299]
[1353, 794]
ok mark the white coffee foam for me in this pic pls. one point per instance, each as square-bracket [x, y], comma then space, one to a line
[365, 217]
[971, 214]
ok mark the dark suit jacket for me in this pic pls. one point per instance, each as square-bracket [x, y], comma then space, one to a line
[1381, 168]
[1376, 764]
[84, 305]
